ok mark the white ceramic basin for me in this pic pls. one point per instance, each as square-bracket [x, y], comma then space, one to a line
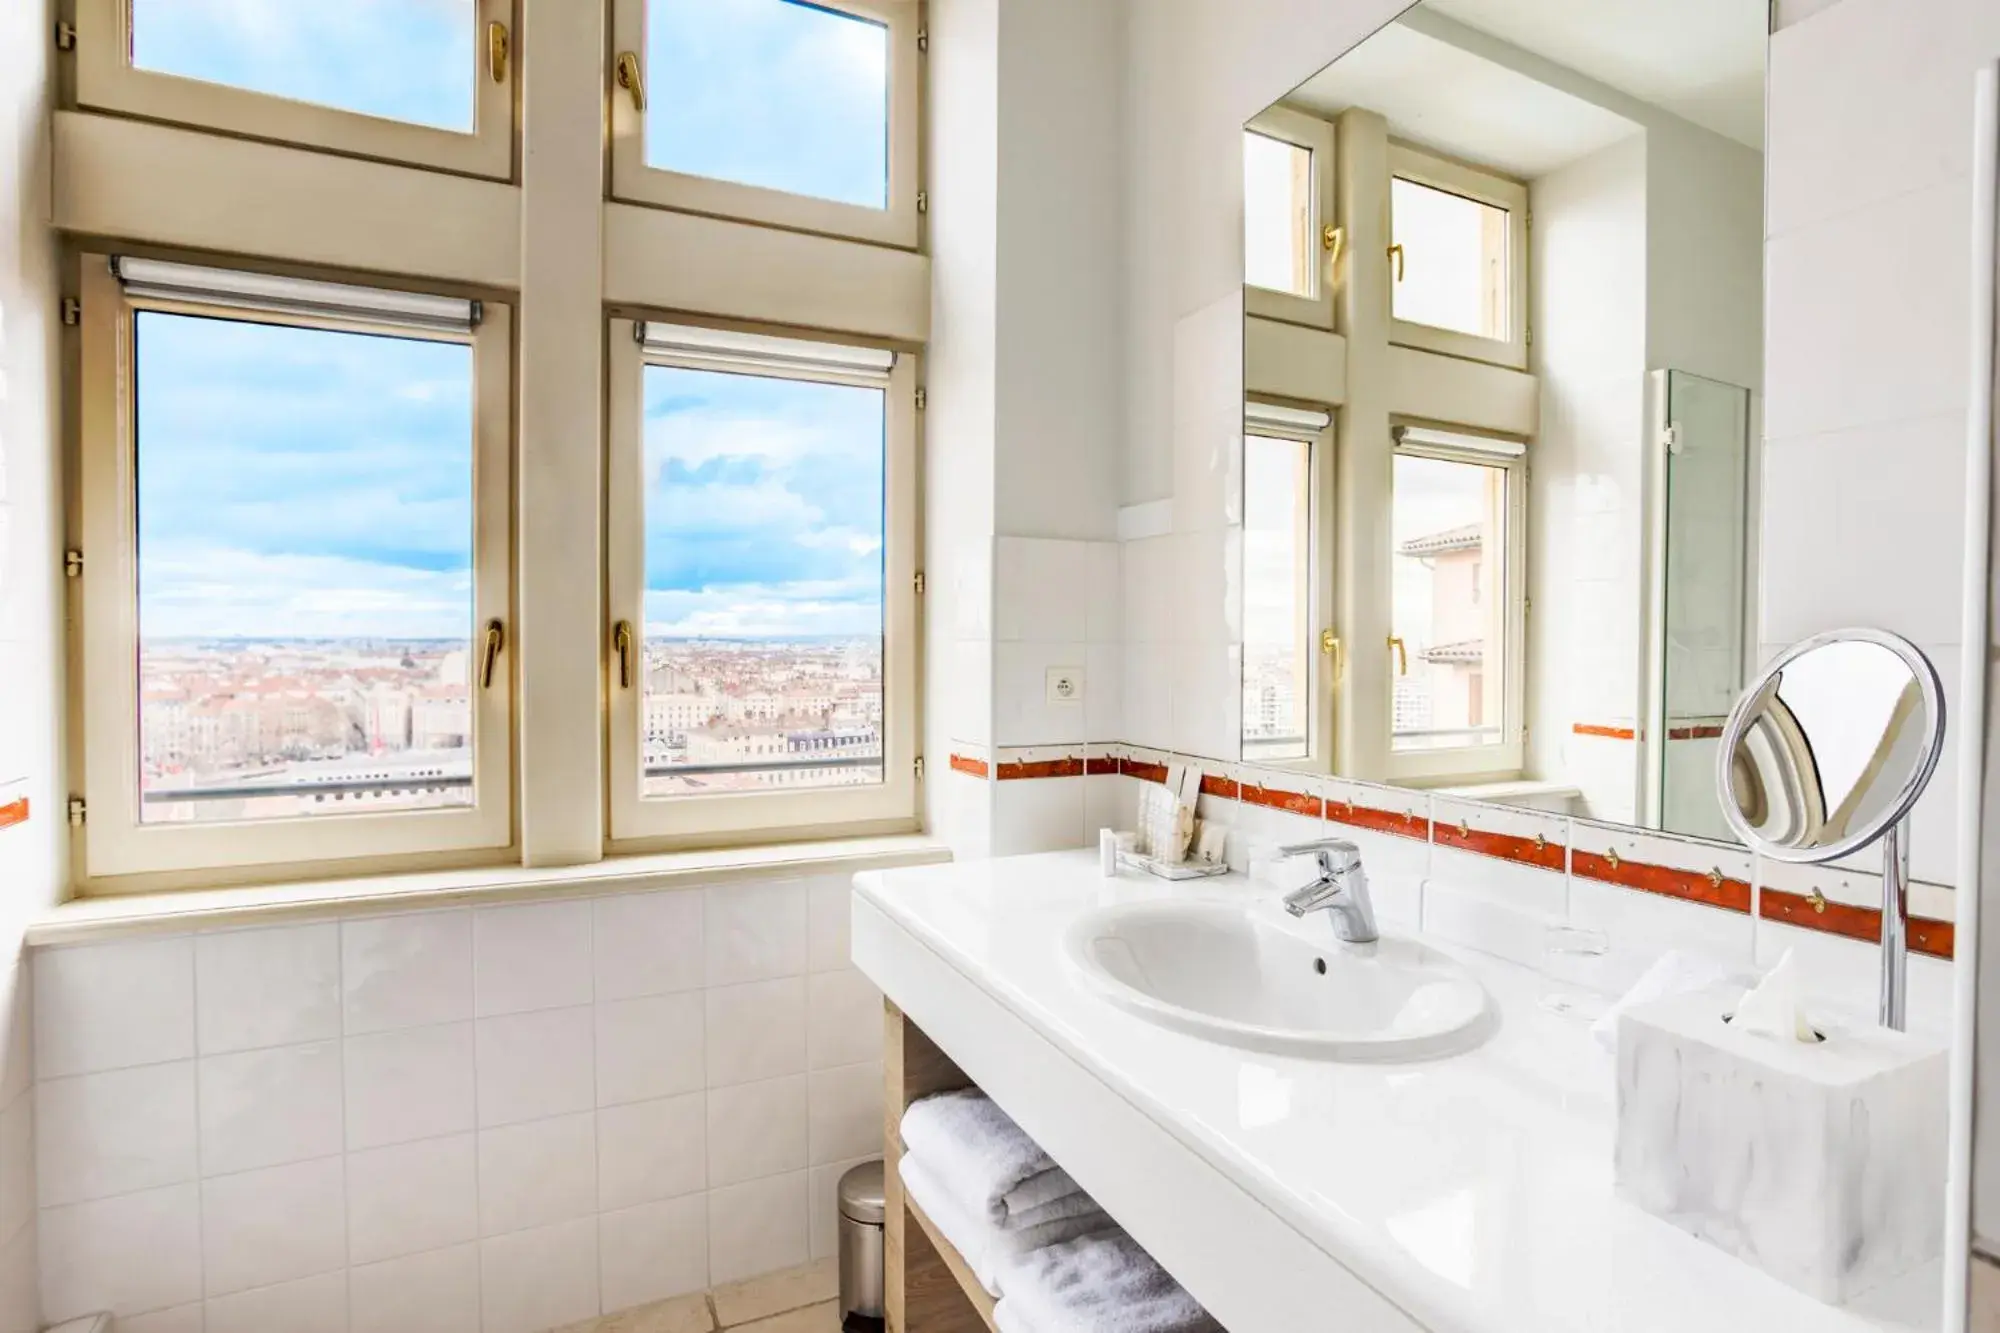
[1217, 970]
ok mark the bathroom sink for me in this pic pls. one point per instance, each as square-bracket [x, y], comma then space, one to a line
[1220, 971]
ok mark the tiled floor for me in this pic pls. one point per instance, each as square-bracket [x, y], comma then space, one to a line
[799, 1300]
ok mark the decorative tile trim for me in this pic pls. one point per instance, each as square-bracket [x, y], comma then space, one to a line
[1935, 938]
[1401, 824]
[14, 812]
[1540, 851]
[1219, 786]
[1608, 732]
[970, 765]
[1700, 731]
[1291, 802]
[1694, 731]
[1144, 770]
[1017, 770]
[1714, 889]
[1103, 765]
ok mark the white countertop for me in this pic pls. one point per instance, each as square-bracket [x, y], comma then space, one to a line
[1473, 1192]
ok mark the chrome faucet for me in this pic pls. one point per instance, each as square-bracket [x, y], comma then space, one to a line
[1341, 889]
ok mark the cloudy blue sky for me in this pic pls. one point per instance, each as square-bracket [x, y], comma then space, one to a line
[298, 482]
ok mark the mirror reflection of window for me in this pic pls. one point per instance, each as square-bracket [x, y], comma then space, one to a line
[1277, 215]
[1852, 702]
[1277, 550]
[1450, 269]
[1448, 650]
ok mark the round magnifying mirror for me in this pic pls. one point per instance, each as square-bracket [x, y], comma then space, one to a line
[1831, 745]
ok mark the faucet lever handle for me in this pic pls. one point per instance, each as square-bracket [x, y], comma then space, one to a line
[1335, 854]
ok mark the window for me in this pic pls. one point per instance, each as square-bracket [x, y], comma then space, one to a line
[1289, 243]
[1456, 604]
[1458, 259]
[1283, 585]
[296, 495]
[419, 81]
[775, 111]
[762, 585]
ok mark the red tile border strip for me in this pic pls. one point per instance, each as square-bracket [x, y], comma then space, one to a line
[1608, 733]
[1291, 802]
[1538, 852]
[1731, 895]
[1143, 770]
[14, 812]
[1100, 765]
[1214, 784]
[1935, 938]
[1704, 731]
[1013, 771]
[1380, 821]
[969, 765]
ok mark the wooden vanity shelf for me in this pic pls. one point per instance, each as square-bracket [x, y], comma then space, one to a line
[927, 1286]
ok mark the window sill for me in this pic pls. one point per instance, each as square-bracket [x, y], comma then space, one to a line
[91, 919]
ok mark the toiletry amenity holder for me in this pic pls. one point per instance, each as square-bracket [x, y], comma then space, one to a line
[1152, 865]
[1821, 1163]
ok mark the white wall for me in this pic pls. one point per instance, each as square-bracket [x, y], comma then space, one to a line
[31, 854]
[1588, 296]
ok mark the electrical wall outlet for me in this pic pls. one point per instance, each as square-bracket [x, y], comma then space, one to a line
[1065, 685]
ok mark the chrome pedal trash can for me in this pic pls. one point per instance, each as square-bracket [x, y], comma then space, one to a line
[861, 1223]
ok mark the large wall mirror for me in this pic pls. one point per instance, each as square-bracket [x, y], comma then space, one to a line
[1502, 377]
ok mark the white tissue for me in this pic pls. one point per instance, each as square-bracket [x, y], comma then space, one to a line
[1774, 1005]
[1675, 972]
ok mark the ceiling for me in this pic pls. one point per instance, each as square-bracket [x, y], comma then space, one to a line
[1703, 60]
[1448, 99]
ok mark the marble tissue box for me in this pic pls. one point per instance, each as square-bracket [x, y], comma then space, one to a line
[1821, 1163]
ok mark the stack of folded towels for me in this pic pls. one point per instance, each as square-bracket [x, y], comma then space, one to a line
[1031, 1236]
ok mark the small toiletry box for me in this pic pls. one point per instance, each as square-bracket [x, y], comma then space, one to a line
[1821, 1163]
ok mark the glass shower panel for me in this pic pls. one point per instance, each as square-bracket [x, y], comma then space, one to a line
[1706, 572]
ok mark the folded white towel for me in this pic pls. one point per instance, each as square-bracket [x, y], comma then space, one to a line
[983, 1246]
[1101, 1283]
[984, 1160]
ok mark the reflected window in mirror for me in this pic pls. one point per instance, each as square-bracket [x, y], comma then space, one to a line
[1277, 607]
[1457, 259]
[1288, 241]
[1455, 638]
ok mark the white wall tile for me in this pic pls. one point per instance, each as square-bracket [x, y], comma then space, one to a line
[263, 1227]
[269, 1107]
[415, 1083]
[1042, 589]
[1104, 692]
[1037, 815]
[756, 931]
[968, 692]
[130, 1254]
[17, 1030]
[757, 1227]
[258, 988]
[541, 1279]
[756, 1130]
[648, 943]
[648, 1151]
[652, 1047]
[1022, 711]
[830, 912]
[406, 971]
[412, 1197]
[1104, 620]
[17, 1164]
[180, 1319]
[535, 956]
[653, 1252]
[756, 1031]
[843, 1019]
[115, 1132]
[310, 1305]
[423, 1293]
[106, 1006]
[534, 1065]
[534, 1174]
[844, 1113]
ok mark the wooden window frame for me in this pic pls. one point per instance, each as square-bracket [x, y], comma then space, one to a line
[636, 823]
[1325, 657]
[898, 225]
[1509, 196]
[106, 80]
[1316, 136]
[115, 844]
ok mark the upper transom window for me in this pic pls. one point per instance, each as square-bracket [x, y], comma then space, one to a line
[775, 111]
[1458, 259]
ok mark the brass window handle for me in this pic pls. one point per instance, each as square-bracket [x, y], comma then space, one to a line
[632, 79]
[496, 639]
[496, 51]
[1333, 240]
[1402, 655]
[1396, 260]
[1330, 644]
[621, 642]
